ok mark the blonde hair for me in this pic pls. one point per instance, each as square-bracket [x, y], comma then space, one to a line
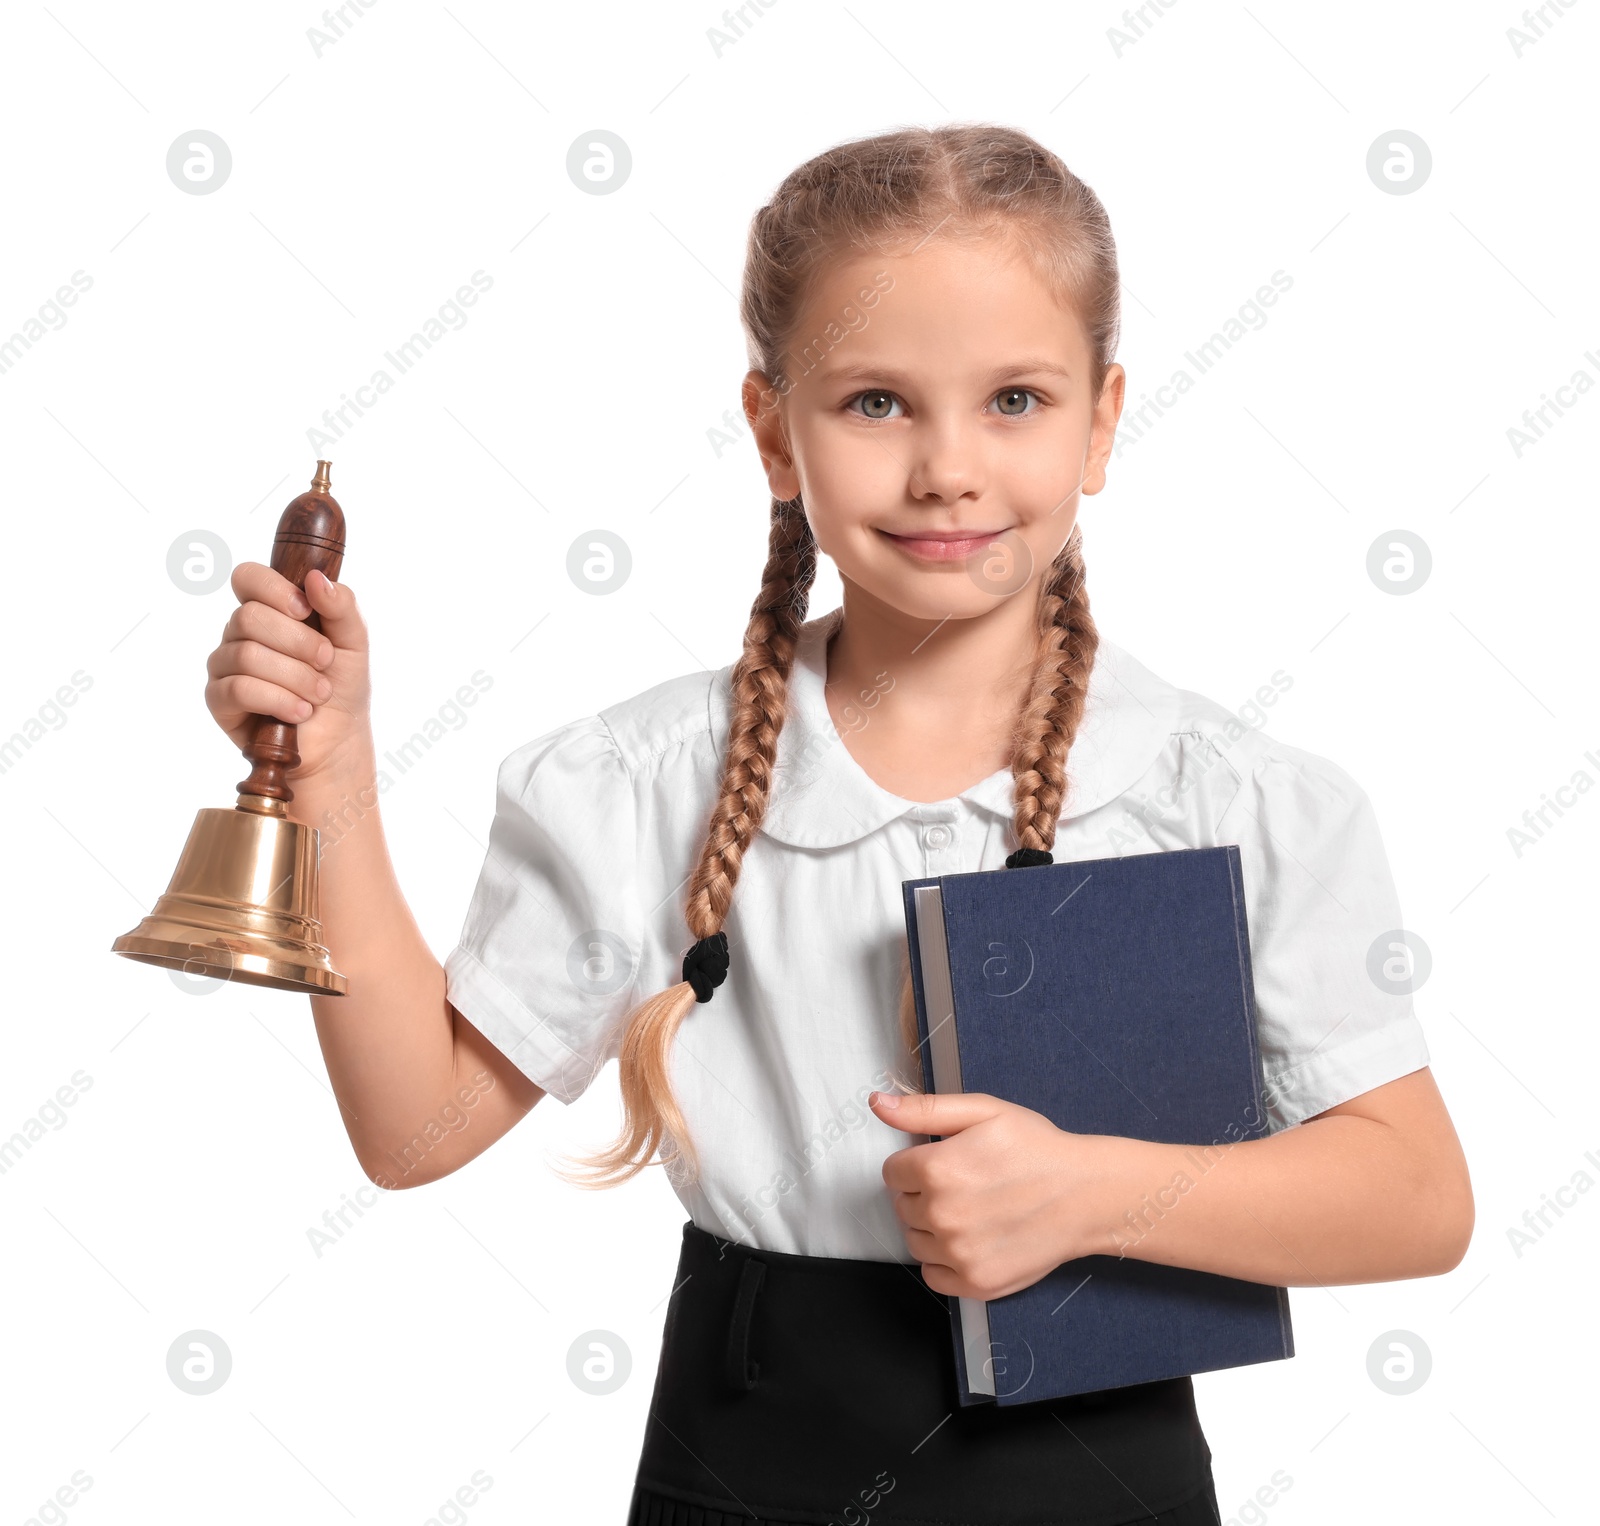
[961, 181]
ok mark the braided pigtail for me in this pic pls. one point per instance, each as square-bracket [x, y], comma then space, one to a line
[652, 1120]
[1045, 730]
[1048, 723]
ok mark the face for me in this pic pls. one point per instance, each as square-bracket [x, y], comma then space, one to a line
[945, 428]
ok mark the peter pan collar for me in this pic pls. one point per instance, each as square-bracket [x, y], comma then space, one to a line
[822, 798]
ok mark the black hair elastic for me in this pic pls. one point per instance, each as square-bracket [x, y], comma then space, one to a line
[1026, 858]
[705, 966]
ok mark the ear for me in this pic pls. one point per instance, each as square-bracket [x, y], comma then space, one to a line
[1103, 429]
[761, 398]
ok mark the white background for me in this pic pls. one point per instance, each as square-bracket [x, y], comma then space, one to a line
[368, 183]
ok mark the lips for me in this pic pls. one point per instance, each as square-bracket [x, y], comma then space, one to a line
[943, 545]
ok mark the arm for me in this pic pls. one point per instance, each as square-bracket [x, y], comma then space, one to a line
[1373, 1190]
[420, 1090]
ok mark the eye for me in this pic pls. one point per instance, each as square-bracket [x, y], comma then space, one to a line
[1010, 396]
[877, 403]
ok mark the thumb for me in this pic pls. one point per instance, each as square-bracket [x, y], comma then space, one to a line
[933, 1113]
[336, 611]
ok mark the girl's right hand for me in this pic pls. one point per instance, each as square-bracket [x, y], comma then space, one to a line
[269, 662]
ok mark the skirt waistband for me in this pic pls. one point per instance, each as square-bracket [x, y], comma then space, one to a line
[817, 1389]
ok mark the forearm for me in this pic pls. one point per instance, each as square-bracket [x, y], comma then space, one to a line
[1334, 1200]
[389, 1041]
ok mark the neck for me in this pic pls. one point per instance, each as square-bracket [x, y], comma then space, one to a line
[935, 678]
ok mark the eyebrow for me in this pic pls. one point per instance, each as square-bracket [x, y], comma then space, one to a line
[1027, 366]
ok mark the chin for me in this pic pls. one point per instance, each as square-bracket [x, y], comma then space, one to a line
[940, 593]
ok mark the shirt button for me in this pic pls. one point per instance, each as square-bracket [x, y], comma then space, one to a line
[937, 836]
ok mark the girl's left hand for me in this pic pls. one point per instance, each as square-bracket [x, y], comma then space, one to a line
[1003, 1198]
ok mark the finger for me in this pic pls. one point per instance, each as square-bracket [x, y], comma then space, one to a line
[924, 1245]
[254, 659]
[255, 621]
[337, 611]
[912, 1211]
[945, 1279]
[238, 694]
[933, 1113]
[907, 1170]
[256, 580]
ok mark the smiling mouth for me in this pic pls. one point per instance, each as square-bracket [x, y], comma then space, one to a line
[942, 545]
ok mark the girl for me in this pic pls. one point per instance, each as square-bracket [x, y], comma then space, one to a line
[931, 318]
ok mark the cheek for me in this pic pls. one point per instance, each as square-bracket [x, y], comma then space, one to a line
[1046, 535]
[1044, 489]
[1050, 469]
[831, 524]
[849, 482]
[849, 473]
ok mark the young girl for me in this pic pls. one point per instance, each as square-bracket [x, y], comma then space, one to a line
[703, 882]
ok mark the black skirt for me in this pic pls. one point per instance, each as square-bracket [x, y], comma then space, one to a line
[822, 1390]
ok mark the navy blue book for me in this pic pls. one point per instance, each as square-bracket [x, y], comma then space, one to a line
[1114, 996]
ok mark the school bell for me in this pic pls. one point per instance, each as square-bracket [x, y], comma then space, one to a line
[243, 904]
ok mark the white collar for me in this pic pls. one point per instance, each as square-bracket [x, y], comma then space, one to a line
[822, 798]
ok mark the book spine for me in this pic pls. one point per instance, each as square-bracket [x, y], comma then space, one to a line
[1247, 989]
[920, 1002]
[1284, 1322]
[919, 997]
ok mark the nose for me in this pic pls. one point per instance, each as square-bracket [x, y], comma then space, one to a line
[945, 463]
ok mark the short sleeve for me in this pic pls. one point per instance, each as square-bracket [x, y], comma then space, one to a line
[546, 963]
[1328, 949]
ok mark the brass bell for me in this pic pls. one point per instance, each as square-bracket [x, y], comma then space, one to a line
[243, 904]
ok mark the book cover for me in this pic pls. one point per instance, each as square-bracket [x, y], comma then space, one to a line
[1113, 996]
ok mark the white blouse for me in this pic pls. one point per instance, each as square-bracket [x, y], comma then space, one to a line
[578, 915]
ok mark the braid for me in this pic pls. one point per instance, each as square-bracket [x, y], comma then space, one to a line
[1048, 722]
[652, 1120]
[760, 689]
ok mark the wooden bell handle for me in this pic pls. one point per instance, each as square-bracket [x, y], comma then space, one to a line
[310, 535]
